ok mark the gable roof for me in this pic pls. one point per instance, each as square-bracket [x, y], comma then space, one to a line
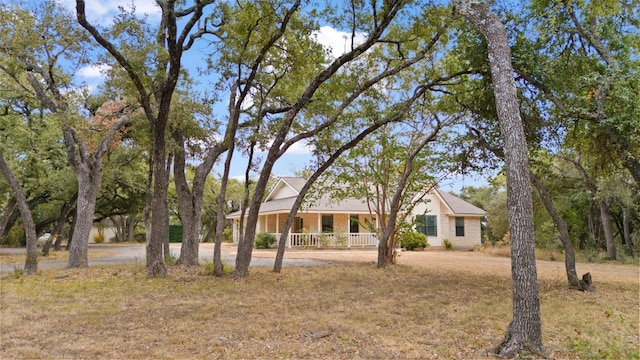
[457, 205]
[290, 185]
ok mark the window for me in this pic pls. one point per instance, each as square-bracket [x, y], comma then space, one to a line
[459, 226]
[298, 224]
[427, 224]
[354, 224]
[327, 223]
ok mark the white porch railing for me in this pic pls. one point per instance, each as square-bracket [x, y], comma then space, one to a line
[330, 240]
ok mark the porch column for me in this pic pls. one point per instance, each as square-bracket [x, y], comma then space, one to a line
[348, 230]
[277, 223]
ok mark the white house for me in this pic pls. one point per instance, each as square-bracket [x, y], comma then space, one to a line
[328, 222]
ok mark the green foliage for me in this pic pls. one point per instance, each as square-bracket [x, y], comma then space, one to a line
[264, 240]
[324, 240]
[412, 240]
[175, 233]
[170, 258]
[208, 268]
[227, 234]
[17, 272]
[16, 236]
[140, 236]
[447, 244]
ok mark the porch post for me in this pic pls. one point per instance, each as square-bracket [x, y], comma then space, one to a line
[348, 230]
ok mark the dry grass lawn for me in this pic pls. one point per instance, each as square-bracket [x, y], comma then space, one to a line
[435, 304]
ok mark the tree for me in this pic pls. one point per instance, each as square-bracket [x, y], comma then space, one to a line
[31, 263]
[579, 72]
[155, 83]
[37, 71]
[603, 206]
[85, 159]
[525, 330]
[190, 199]
[392, 170]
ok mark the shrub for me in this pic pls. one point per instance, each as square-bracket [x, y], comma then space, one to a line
[413, 240]
[140, 237]
[447, 244]
[227, 234]
[265, 240]
[98, 238]
[170, 259]
[175, 233]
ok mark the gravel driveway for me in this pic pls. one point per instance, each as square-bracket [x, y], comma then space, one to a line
[135, 254]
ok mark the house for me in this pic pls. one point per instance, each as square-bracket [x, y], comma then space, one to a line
[340, 223]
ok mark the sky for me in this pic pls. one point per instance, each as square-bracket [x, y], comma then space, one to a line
[101, 12]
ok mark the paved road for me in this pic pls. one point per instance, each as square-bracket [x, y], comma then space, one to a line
[135, 254]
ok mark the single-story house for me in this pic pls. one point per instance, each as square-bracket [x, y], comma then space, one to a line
[328, 223]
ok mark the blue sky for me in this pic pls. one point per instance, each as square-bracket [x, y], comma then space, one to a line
[101, 12]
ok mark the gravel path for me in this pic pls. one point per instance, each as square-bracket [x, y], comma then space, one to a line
[135, 254]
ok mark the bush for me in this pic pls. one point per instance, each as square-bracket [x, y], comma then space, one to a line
[98, 238]
[265, 240]
[175, 233]
[447, 244]
[140, 237]
[413, 240]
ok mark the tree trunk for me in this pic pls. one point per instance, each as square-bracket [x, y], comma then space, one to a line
[120, 223]
[626, 231]
[525, 330]
[189, 250]
[603, 208]
[59, 227]
[88, 187]
[57, 246]
[563, 228]
[190, 201]
[159, 234]
[131, 226]
[4, 219]
[31, 262]
[218, 266]
[606, 227]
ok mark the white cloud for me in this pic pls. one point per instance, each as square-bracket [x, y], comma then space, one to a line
[102, 11]
[338, 42]
[93, 71]
[300, 149]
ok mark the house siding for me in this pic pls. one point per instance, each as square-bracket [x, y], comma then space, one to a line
[432, 206]
[446, 222]
[472, 232]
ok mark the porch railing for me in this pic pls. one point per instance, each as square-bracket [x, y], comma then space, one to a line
[330, 240]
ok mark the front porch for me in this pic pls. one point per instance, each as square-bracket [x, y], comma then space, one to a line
[320, 230]
[330, 240]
